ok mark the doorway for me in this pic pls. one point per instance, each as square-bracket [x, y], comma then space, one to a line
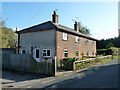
[37, 54]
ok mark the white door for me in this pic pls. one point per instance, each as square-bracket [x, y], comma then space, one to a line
[37, 54]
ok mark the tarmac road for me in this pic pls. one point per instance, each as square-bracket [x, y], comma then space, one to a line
[104, 75]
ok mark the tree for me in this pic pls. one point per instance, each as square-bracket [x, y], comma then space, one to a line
[9, 37]
[83, 29]
[101, 44]
[109, 45]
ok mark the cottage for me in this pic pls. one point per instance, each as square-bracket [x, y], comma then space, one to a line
[50, 39]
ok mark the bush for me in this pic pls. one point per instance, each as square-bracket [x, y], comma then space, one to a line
[67, 59]
[104, 52]
[67, 63]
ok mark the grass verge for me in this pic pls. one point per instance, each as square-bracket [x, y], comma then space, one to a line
[105, 60]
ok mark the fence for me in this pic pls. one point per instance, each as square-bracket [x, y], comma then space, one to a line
[26, 63]
[7, 50]
[85, 63]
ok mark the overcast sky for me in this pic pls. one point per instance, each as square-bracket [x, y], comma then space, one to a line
[100, 17]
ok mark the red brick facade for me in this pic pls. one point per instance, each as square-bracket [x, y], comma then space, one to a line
[71, 45]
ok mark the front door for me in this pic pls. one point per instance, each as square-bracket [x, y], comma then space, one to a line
[37, 54]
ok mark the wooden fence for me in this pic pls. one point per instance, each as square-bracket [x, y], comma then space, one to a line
[26, 63]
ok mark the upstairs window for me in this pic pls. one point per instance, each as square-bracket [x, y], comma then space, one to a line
[92, 42]
[65, 36]
[65, 53]
[86, 42]
[77, 39]
[46, 53]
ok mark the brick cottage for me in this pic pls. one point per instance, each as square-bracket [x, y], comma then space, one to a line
[51, 39]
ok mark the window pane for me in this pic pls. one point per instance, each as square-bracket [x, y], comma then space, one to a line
[77, 39]
[76, 52]
[65, 36]
[44, 50]
[37, 53]
[93, 53]
[48, 52]
[23, 51]
[87, 53]
[65, 50]
[44, 54]
[65, 54]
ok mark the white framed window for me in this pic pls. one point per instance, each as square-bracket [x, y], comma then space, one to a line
[93, 42]
[37, 54]
[46, 53]
[65, 36]
[65, 53]
[23, 51]
[87, 53]
[86, 42]
[77, 53]
[77, 39]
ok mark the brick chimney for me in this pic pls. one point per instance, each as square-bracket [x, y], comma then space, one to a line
[55, 18]
[76, 26]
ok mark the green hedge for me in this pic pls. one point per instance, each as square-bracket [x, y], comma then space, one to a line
[104, 52]
[67, 59]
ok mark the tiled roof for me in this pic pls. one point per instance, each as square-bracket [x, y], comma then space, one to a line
[51, 25]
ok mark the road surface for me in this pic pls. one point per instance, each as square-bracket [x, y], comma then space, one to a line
[104, 75]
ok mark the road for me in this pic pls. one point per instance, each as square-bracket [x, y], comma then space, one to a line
[104, 75]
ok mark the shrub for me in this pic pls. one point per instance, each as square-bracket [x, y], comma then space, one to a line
[67, 59]
[104, 51]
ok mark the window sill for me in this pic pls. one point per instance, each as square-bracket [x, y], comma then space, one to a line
[47, 57]
[77, 42]
[64, 40]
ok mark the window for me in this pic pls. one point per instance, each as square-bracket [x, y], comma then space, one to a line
[92, 42]
[77, 39]
[65, 36]
[23, 51]
[46, 53]
[77, 53]
[87, 53]
[86, 42]
[65, 53]
[93, 53]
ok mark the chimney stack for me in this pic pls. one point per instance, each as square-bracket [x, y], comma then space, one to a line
[76, 26]
[55, 18]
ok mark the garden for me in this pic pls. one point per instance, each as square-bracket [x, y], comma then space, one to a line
[103, 55]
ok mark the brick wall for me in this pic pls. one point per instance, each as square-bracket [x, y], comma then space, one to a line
[72, 46]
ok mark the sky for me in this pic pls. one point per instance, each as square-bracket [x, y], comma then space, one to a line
[100, 17]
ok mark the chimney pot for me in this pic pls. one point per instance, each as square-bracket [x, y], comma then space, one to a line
[55, 18]
[54, 13]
